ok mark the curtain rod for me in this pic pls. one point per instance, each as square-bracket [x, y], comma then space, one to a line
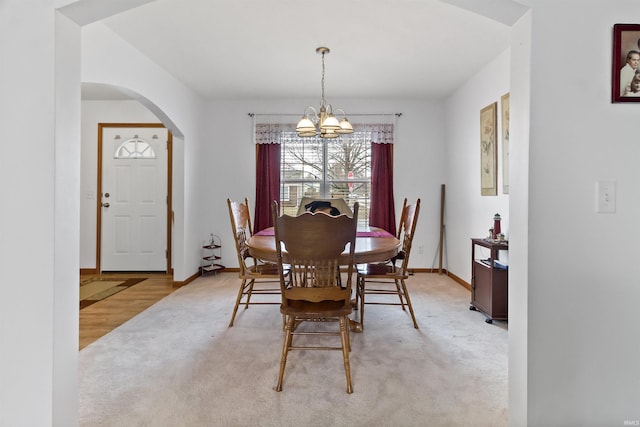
[350, 114]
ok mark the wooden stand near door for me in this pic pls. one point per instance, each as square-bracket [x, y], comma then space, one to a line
[489, 284]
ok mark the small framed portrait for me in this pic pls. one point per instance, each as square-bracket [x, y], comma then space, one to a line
[625, 72]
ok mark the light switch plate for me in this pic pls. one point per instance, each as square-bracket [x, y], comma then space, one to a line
[606, 197]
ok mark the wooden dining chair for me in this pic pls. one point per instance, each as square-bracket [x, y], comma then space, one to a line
[314, 244]
[388, 278]
[257, 277]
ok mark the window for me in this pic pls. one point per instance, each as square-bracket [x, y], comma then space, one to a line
[289, 168]
[135, 148]
[326, 168]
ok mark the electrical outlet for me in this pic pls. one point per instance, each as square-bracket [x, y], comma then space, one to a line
[606, 197]
[420, 249]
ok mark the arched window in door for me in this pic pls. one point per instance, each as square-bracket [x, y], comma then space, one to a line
[135, 148]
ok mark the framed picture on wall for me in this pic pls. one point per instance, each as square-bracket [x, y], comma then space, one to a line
[488, 151]
[625, 79]
[504, 120]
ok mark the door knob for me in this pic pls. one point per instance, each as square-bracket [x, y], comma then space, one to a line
[105, 205]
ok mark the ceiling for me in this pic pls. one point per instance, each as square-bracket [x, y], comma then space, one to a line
[261, 49]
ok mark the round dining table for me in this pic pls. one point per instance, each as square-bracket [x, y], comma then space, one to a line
[372, 245]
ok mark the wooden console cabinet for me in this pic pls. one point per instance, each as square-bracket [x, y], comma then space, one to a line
[489, 283]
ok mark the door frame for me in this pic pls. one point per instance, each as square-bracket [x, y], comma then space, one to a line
[101, 126]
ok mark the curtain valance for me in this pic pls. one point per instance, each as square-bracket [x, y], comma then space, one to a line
[381, 134]
[270, 133]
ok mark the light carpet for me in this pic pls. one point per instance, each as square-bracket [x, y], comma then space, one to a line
[178, 364]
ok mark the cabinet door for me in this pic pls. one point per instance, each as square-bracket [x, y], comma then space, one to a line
[500, 302]
[482, 293]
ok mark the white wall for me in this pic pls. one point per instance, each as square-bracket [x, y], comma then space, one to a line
[520, 77]
[583, 328]
[216, 152]
[178, 108]
[94, 112]
[67, 214]
[468, 214]
[419, 130]
[43, 193]
[39, 169]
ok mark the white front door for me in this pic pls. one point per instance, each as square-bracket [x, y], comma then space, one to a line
[134, 199]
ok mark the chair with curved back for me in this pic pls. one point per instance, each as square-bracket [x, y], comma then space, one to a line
[257, 277]
[314, 244]
[389, 278]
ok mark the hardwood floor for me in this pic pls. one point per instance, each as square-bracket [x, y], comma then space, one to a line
[102, 317]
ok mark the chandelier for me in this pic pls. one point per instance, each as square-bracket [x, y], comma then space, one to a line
[323, 123]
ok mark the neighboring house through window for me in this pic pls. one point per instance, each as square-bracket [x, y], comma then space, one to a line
[326, 168]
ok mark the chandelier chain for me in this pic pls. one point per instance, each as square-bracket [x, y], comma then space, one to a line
[322, 81]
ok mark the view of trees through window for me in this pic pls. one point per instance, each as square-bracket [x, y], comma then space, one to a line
[326, 168]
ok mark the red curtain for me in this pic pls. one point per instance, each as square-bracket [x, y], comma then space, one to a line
[267, 184]
[382, 212]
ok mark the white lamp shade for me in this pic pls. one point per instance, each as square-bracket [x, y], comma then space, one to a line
[345, 127]
[305, 125]
[330, 123]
